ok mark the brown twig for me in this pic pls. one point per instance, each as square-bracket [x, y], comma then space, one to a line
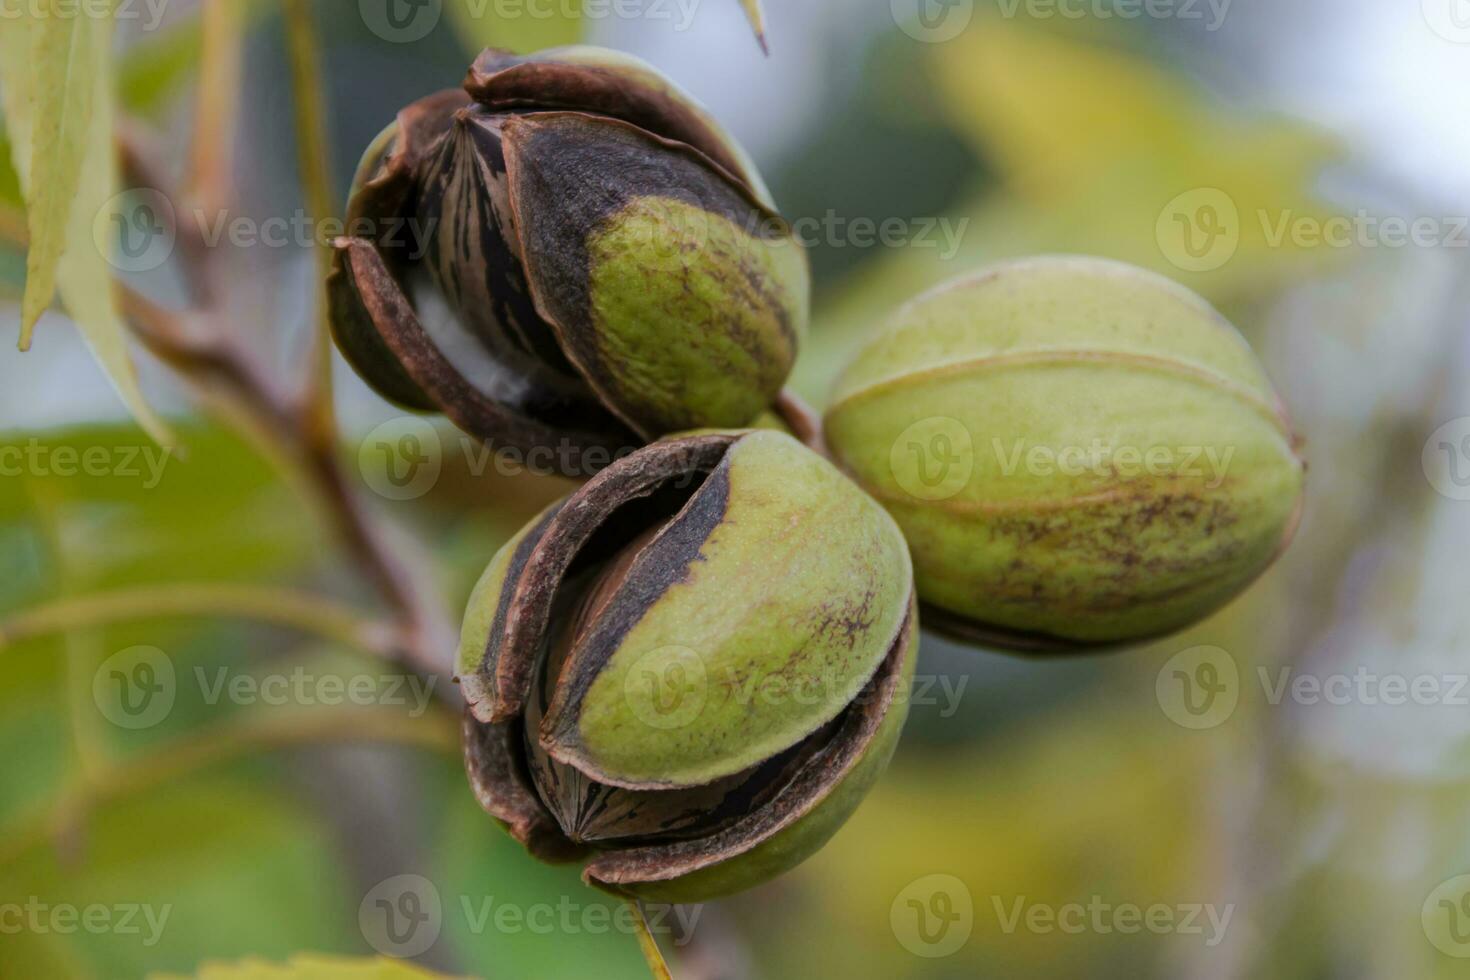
[315, 170]
[212, 148]
[143, 168]
[222, 371]
[657, 967]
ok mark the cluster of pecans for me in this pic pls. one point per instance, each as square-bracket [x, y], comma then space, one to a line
[606, 268]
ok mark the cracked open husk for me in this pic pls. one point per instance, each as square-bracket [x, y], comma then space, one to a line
[569, 250]
[688, 673]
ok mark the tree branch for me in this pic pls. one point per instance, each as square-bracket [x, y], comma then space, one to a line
[308, 613]
[315, 170]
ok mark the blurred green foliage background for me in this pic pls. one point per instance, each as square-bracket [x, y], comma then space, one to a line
[1320, 829]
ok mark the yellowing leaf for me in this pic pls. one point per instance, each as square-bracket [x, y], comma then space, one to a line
[1053, 109]
[308, 968]
[56, 92]
[62, 97]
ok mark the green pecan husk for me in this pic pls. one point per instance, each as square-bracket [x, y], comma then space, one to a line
[689, 673]
[569, 250]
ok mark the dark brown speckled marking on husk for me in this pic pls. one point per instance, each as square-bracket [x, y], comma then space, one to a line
[822, 774]
[582, 516]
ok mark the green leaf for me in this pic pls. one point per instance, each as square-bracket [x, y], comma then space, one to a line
[500, 891]
[308, 968]
[134, 513]
[218, 866]
[10, 194]
[478, 26]
[56, 76]
[153, 70]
